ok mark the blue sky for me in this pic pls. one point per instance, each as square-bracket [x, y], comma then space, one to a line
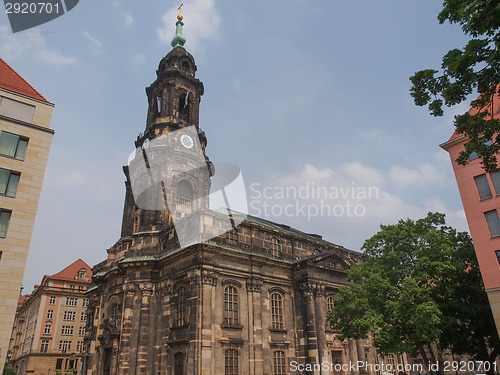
[297, 93]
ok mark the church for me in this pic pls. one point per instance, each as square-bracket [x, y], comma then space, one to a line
[248, 299]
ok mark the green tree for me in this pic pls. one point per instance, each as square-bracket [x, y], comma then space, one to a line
[473, 69]
[420, 292]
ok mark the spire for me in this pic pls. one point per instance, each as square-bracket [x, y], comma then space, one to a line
[179, 39]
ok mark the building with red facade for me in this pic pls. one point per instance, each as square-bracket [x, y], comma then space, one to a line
[480, 193]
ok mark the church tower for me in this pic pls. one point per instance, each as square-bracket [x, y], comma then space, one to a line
[168, 177]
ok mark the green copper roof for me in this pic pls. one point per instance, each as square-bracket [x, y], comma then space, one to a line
[179, 39]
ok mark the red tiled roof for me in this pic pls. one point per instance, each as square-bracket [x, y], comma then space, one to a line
[70, 272]
[22, 299]
[10, 80]
[473, 111]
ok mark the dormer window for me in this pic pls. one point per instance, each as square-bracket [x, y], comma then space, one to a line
[82, 273]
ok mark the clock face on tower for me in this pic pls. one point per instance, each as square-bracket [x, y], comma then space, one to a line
[187, 141]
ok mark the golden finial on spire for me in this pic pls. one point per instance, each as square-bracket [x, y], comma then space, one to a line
[179, 17]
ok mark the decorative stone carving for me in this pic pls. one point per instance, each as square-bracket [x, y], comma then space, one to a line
[209, 277]
[320, 290]
[254, 285]
[165, 288]
[129, 289]
[308, 288]
[147, 289]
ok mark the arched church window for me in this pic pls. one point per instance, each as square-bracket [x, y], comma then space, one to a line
[184, 106]
[231, 362]
[185, 66]
[180, 310]
[276, 311]
[230, 305]
[184, 193]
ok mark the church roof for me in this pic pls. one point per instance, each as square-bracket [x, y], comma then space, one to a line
[70, 273]
[12, 81]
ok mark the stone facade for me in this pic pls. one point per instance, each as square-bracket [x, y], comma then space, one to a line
[24, 116]
[250, 301]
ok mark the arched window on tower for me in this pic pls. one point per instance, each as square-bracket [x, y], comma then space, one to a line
[185, 66]
[184, 106]
[184, 193]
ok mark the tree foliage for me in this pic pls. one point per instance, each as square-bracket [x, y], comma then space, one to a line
[420, 292]
[474, 68]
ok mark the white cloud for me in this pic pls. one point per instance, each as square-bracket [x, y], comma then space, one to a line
[424, 174]
[94, 40]
[129, 20]
[140, 58]
[362, 174]
[30, 43]
[201, 18]
[348, 204]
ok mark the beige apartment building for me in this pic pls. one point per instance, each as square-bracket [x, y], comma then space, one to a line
[25, 139]
[49, 327]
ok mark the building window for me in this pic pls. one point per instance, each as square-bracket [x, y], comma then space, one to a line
[475, 155]
[279, 367]
[50, 314]
[83, 317]
[79, 346]
[71, 301]
[81, 331]
[13, 145]
[67, 330]
[81, 274]
[4, 222]
[52, 300]
[495, 178]
[231, 363]
[232, 237]
[498, 255]
[391, 361]
[493, 223]
[483, 187]
[44, 347]
[47, 329]
[69, 315]
[230, 305]
[8, 182]
[337, 360]
[180, 311]
[329, 303]
[71, 287]
[85, 302]
[329, 306]
[64, 346]
[275, 247]
[184, 193]
[276, 310]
